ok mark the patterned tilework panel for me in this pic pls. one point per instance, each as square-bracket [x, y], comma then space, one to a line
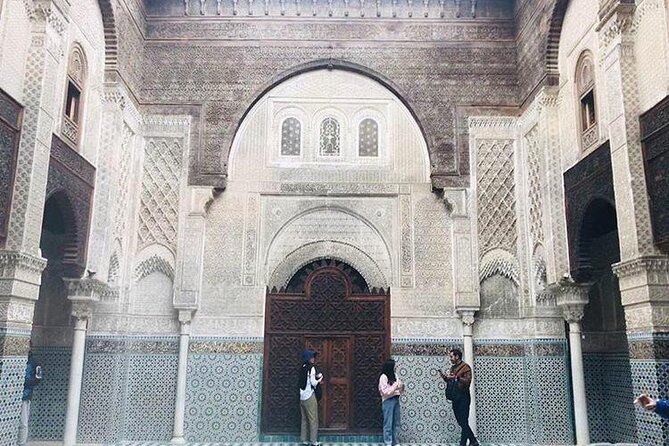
[500, 399]
[12, 369]
[549, 411]
[608, 385]
[427, 416]
[651, 377]
[47, 410]
[101, 415]
[223, 397]
[150, 396]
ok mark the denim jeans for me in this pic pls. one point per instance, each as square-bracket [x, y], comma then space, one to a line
[391, 420]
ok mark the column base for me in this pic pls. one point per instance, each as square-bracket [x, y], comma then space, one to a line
[178, 440]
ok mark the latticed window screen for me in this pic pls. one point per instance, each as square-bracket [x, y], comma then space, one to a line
[330, 138]
[368, 138]
[291, 131]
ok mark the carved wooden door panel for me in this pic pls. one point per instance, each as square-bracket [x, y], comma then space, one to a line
[330, 310]
[334, 361]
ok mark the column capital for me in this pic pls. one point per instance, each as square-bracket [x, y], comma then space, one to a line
[467, 315]
[571, 296]
[186, 316]
[84, 294]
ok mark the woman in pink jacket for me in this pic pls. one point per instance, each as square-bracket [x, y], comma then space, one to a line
[390, 389]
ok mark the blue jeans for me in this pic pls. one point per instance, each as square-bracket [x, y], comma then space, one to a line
[391, 420]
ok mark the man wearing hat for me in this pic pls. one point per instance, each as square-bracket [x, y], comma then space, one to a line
[308, 402]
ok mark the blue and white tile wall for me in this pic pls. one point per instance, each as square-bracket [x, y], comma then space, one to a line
[649, 361]
[608, 384]
[223, 390]
[49, 402]
[128, 389]
[12, 372]
[427, 416]
[522, 392]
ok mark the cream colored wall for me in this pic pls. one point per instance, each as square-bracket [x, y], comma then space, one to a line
[14, 43]
[578, 35]
[651, 48]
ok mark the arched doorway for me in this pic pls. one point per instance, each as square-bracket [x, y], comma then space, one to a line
[328, 307]
[51, 331]
[606, 352]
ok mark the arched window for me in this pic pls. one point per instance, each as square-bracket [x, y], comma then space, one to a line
[76, 80]
[585, 84]
[330, 140]
[291, 137]
[368, 138]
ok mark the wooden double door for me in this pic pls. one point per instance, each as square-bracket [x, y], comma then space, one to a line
[335, 314]
[334, 362]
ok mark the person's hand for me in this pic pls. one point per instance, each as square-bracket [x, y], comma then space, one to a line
[646, 402]
[319, 377]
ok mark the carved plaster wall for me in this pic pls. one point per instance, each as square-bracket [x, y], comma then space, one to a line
[279, 212]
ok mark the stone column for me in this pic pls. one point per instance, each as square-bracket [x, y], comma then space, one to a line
[468, 320]
[185, 317]
[83, 293]
[572, 298]
[188, 284]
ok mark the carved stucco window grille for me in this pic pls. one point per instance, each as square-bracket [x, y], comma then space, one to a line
[368, 138]
[330, 137]
[291, 137]
[585, 83]
[76, 80]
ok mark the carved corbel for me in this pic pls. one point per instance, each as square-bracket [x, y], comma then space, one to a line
[455, 201]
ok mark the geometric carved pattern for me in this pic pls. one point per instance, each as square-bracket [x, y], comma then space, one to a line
[496, 195]
[655, 138]
[325, 310]
[123, 184]
[151, 265]
[10, 130]
[158, 216]
[534, 174]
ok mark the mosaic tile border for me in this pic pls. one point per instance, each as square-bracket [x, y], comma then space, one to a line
[424, 346]
[649, 346]
[132, 344]
[199, 346]
[14, 345]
